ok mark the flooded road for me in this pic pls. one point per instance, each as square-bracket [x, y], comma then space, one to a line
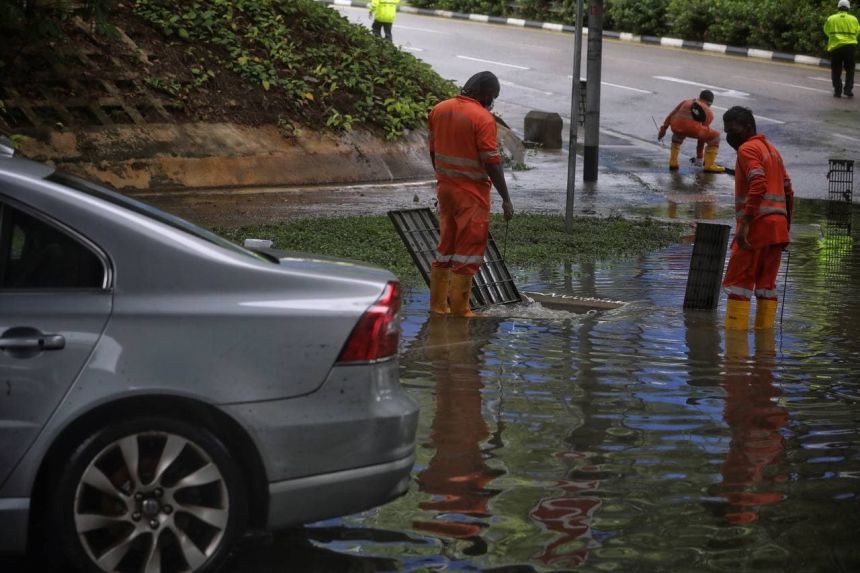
[636, 439]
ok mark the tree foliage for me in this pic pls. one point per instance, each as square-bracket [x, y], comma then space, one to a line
[792, 26]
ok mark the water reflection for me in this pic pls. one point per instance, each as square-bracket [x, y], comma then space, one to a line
[752, 472]
[457, 475]
[691, 197]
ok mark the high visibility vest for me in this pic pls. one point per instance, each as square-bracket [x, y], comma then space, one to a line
[384, 10]
[462, 140]
[762, 189]
[841, 28]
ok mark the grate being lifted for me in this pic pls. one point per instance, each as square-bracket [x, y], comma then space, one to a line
[840, 176]
[419, 230]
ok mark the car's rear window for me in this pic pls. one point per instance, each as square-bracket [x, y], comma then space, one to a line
[106, 194]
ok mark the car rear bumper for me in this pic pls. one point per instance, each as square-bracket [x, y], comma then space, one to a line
[14, 518]
[360, 417]
[309, 499]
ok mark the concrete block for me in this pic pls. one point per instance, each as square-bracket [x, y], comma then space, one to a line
[544, 127]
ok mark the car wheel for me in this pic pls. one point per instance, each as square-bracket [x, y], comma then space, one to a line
[151, 494]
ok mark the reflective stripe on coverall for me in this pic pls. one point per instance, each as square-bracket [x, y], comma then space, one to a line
[462, 140]
[384, 10]
[763, 195]
[684, 125]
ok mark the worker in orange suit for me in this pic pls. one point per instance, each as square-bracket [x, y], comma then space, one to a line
[692, 118]
[763, 203]
[466, 157]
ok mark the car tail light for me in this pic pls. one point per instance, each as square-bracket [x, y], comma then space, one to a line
[377, 333]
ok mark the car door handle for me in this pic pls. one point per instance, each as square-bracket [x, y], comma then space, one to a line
[41, 342]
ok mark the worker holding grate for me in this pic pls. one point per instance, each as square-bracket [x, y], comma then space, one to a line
[466, 157]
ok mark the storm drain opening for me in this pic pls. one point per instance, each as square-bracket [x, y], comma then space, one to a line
[493, 284]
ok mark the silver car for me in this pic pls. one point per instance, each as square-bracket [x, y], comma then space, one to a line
[163, 390]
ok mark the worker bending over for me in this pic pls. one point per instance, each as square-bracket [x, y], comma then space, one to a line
[763, 204]
[692, 118]
[466, 157]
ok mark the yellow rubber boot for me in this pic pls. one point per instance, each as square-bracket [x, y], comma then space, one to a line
[674, 152]
[737, 314]
[458, 293]
[765, 313]
[711, 160]
[440, 277]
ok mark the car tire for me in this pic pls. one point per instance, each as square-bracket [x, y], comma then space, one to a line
[149, 491]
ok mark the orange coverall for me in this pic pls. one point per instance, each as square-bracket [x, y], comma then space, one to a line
[684, 125]
[763, 195]
[462, 140]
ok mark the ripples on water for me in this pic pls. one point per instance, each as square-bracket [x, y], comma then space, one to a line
[636, 439]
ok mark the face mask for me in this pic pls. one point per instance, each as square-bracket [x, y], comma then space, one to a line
[734, 140]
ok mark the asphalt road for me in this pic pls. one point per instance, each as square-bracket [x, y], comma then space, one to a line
[793, 103]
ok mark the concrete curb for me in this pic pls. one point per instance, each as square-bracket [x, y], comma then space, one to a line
[623, 36]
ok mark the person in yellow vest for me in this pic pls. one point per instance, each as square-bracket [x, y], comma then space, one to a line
[383, 13]
[842, 30]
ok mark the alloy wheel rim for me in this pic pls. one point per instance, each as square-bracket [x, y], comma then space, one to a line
[151, 502]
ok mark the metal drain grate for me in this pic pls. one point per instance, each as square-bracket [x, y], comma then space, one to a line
[419, 230]
[706, 266]
[840, 196]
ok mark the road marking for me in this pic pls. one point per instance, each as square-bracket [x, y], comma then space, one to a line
[819, 79]
[787, 85]
[626, 88]
[492, 62]
[411, 49]
[429, 31]
[513, 85]
[848, 137]
[570, 77]
[757, 116]
[724, 92]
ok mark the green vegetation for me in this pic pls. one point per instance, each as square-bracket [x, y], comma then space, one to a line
[793, 26]
[532, 240]
[294, 63]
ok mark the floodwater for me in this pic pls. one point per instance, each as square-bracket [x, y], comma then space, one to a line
[643, 438]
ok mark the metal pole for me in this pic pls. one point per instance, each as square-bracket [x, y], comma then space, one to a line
[575, 97]
[592, 100]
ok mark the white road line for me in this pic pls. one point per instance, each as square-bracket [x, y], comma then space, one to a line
[570, 77]
[819, 79]
[788, 85]
[757, 116]
[492, 62]
[411, 49]
[429, 31]
[518, 86]
[626, 88]
[848, 137]
[724, 92]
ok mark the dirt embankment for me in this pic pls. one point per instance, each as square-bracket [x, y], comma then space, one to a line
[129, 110]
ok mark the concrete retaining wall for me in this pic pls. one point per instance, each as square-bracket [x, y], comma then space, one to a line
[194, 156]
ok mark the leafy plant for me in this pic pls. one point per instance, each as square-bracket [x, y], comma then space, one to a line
[533, 239]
